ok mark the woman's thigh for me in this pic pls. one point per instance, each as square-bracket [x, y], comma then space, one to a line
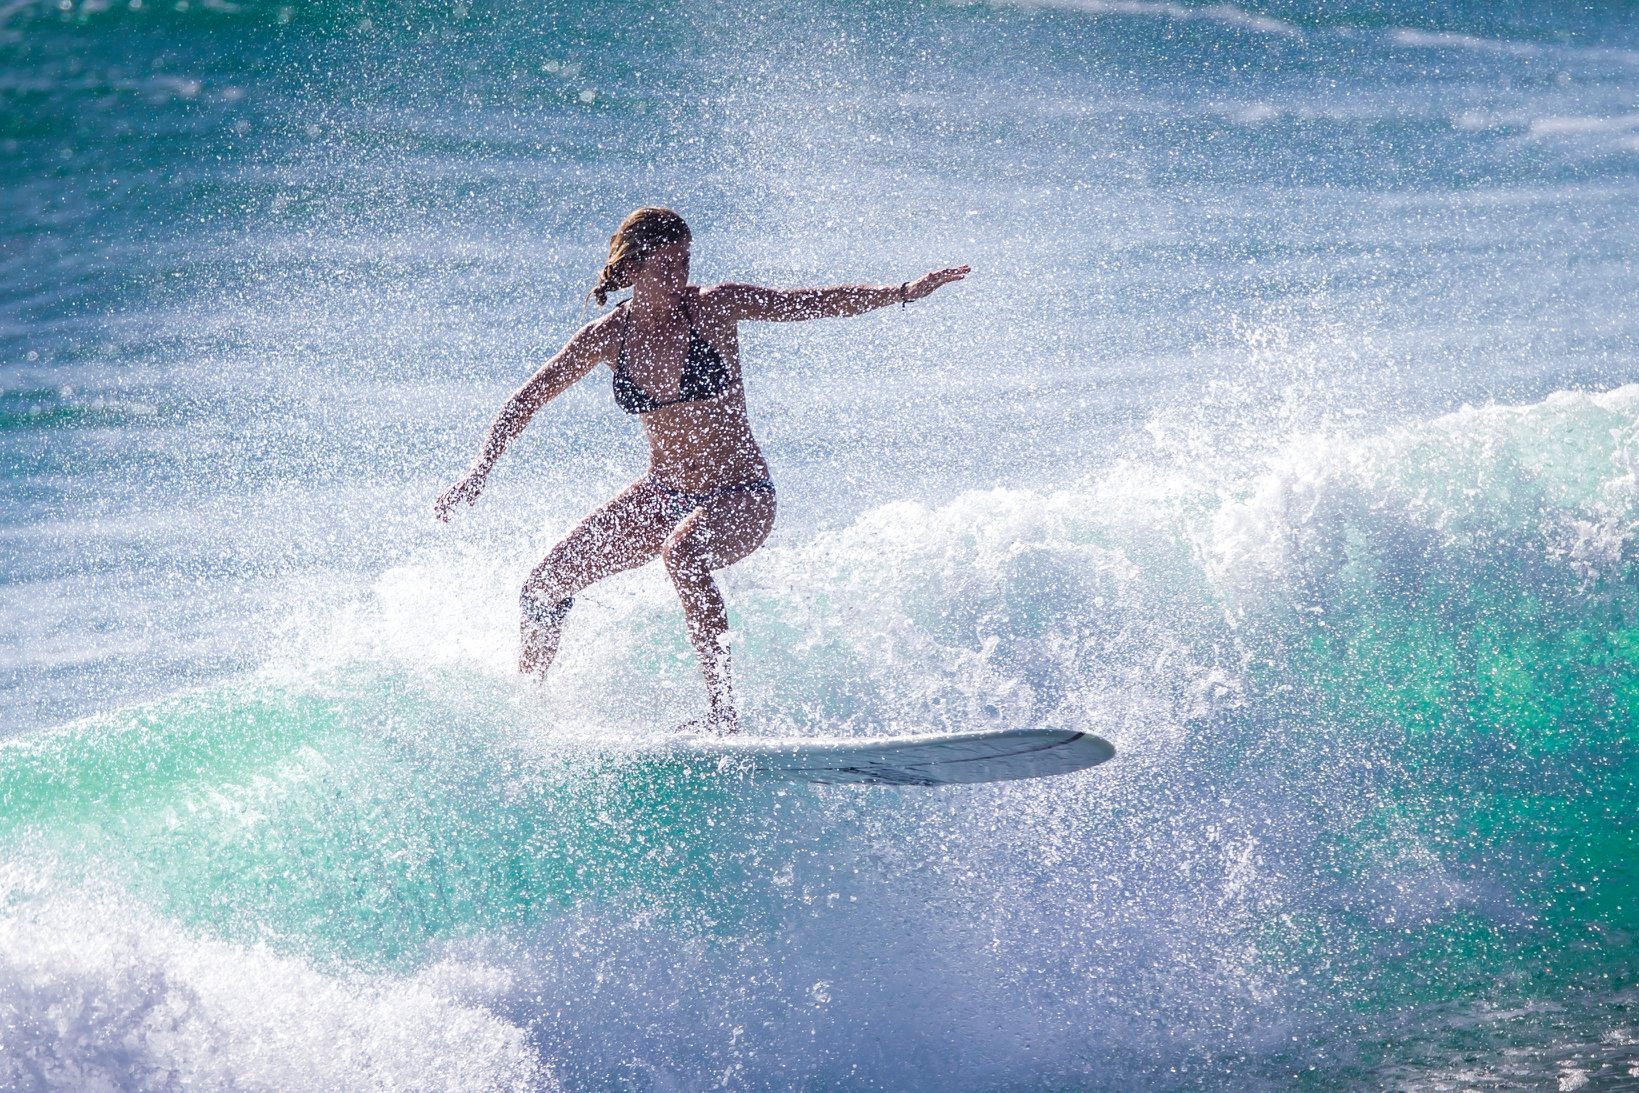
[725, 529]
[620, 535]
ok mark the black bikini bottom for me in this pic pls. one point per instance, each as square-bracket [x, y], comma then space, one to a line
[679, 503]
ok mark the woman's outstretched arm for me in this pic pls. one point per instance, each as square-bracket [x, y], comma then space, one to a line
[737, 301]
[590, 345]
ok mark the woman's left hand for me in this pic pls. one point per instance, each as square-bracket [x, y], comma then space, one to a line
[464, 492]
[925, 284]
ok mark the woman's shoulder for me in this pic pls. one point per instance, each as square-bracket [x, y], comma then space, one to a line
[720, 298]
[601, 331]
[710, 292]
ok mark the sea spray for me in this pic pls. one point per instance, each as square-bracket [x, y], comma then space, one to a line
[1374, 701]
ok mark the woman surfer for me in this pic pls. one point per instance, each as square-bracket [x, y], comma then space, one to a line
[707, 500]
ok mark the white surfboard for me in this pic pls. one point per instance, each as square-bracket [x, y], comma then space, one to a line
[934, 759]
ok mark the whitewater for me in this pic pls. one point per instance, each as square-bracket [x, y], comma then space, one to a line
[1286, 435]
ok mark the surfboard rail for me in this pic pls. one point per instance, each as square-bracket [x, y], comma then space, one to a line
[927, 759]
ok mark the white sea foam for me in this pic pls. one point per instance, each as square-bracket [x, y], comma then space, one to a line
[1222, 14]
[1427, 39]
[97, 993]
[1623, 124]
[1237, 18]
[916, 941]
[1592, 130]
[1007, 605]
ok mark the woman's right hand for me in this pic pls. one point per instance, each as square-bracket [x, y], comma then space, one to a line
[465, 492]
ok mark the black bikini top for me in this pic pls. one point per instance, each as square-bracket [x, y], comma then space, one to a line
[705, 375]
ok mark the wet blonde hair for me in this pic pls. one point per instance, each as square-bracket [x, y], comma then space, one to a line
[639, 235]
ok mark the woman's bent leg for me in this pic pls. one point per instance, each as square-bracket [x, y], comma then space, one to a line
[622, 535]
[725, 529]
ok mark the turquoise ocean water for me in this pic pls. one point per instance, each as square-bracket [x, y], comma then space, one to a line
[1286, 434]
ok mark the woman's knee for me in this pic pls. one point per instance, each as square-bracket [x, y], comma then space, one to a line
[686, 562]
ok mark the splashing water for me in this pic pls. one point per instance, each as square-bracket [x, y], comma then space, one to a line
[1373, 706]
[1285, 434]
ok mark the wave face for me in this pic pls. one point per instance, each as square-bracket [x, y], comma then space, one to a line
[1373, 697]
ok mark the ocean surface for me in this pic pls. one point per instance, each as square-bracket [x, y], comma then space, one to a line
[1286, 434]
